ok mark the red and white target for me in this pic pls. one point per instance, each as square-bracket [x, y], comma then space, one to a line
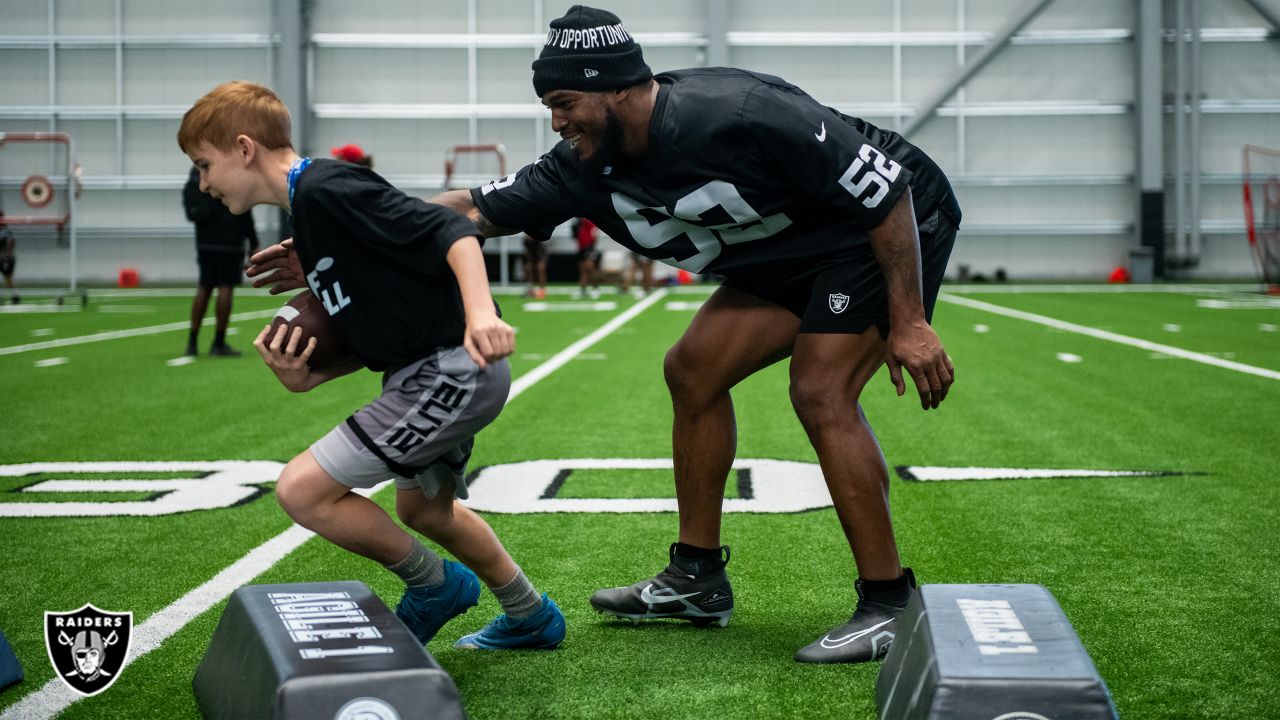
[37, 191]
[37, 178]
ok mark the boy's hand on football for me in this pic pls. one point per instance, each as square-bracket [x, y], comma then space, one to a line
[279, 350]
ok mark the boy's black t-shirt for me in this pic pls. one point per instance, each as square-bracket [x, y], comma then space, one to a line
[745, 175]
[375, 258]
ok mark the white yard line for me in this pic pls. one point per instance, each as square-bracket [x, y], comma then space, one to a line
[1245, 290]
[1110, 336]
[118, 334]
[55, 696]
[524, 382]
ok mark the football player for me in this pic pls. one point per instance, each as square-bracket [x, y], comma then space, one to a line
[833, 236]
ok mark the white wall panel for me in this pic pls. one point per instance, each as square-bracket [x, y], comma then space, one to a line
[508, 16]
[833, 75]
[924, 71]
[1025, 204]
[1003, 129]
[180, 17]
[402, 16]
[829, 15]
[153, 148]
[1088, 73]
[86, 76]
[1242, 70]
[390, 75]
[180, 76]
[1080, 14]
[505, 76]
[95, 145]
[917, 16]
[24, 77]
[1050, 144]
[1224, 137]
[83, 17]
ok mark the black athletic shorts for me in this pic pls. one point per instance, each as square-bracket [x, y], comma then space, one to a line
[220, 269]
[847, 294]
[6, 265]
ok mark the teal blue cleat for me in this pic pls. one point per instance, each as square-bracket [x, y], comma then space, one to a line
[541, 631]
[424, 610]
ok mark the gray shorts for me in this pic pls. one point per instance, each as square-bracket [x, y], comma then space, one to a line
[421, 429]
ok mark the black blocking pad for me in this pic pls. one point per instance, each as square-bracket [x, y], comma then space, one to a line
[989, 652]
[311, 650]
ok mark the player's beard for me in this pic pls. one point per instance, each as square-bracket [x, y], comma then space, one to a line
[611, 144]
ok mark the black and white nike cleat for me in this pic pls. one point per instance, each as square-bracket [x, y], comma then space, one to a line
[865, 638]
[672, 593]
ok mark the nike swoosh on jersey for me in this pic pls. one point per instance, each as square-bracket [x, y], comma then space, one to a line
[649, 598]
[822, 134]
[831, 643]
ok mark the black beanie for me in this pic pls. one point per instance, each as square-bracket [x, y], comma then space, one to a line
[588, 50]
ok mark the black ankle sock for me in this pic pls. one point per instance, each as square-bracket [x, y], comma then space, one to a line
[891, 592]
[219, 339]
[693, 552]
[696, 561]
[191, 338]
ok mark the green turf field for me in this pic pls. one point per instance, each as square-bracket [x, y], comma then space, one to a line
[1170, 579]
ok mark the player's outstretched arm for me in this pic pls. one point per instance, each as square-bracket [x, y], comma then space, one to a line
[487, 338]
[278, 266]
[913, 344]
[460, 202]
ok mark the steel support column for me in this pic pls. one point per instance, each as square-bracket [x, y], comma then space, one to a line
[1149, 119]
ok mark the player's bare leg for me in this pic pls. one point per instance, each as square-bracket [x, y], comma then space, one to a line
[199, 306]
[828, 372]
[457, 529]
[318, 502]
[733, 335]
[529, 620]
[222, 316]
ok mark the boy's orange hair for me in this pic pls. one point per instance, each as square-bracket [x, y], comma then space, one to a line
[236, 108]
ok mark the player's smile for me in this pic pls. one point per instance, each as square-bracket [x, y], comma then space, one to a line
[578, 118]
[217, 169]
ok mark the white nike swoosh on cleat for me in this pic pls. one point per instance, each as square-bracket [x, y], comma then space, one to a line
[822, 135]
[831, 643]
[648, 597]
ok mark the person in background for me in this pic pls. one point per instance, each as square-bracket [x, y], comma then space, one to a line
[639, 268]
[584, 233]
[221, 241]
[535, 267]
[8, 258]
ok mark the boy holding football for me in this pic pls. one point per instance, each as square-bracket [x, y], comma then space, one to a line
[404, 283]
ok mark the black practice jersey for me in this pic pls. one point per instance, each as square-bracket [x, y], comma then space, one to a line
[376, 258]
[743, 171]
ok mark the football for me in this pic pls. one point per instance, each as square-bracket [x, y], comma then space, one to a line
[306, 312]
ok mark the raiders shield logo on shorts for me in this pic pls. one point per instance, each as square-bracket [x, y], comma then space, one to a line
[88, 646]
[838, 302]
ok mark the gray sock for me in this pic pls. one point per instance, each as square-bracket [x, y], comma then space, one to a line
[421, 567]
[518, 598]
